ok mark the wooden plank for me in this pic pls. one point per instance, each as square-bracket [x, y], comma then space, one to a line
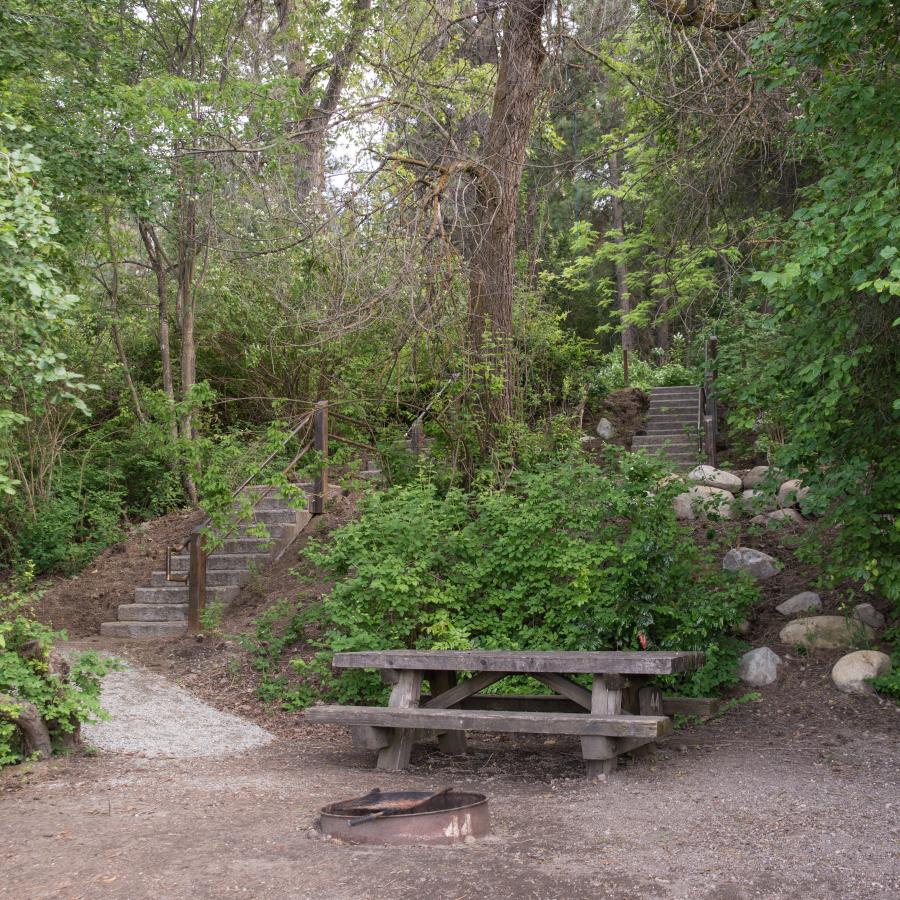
[518, 703]
[464, 689]
[650, 701]
[626, 745]
[567, 688]
[320, 443]
[404, 694]
[626, 662]
[492, 720]
[690, 706]
[452, 743]
[606, 700]
[369, 738]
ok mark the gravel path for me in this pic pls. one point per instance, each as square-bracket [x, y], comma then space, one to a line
[153, 717]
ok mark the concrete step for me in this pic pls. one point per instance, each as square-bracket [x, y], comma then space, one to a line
[674, 416]
[179, 594]
[219, 560]
[679, 406]
[652, 440]
[153, 612]
[675, 389]
[281, 516]
[143, 629]
[214, 578]
[671, 426]
[255, 546]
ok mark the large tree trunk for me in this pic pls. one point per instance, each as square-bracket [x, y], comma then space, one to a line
[309, 159]
[499, 175]
[618, 217]
[185, 303]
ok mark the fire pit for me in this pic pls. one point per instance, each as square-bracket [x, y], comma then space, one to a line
[408, 817]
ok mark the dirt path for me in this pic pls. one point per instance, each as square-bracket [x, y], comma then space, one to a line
[758, 803]
[152, 717]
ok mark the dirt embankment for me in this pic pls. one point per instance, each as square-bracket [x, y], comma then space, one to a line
[625, 409]
[81, 603]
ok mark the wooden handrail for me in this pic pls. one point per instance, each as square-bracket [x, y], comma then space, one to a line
[197, 540]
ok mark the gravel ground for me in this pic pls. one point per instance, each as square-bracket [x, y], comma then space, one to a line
[153, 717]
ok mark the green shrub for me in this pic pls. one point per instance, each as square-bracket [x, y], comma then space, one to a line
[63, 699]
[609, 374]
[568, 557]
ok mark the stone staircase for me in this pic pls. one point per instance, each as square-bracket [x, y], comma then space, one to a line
[160, 609]
[671, 426]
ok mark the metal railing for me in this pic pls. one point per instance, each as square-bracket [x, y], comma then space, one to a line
[707, 411]
[196, 542]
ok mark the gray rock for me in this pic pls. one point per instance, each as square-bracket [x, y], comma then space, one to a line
[791, 493]
[778, 517]
[743, 627]
[826, 632]
[700, 501]
[804, 602]
[754, 501]
[850, 672]
[716, 478]
[759, 666]
[755, 476]
[605, 429]
[745, 559]
[867, 613]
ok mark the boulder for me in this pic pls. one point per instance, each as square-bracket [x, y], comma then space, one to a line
[825, 632]
[759, 666]
[754, 501]
[605, 429]
[777, 517]
[867, 613]
[756, 476]
[804, 602]
[791, 493]
[699, 501]
[716, 478]
[745, 559]
[850, 672]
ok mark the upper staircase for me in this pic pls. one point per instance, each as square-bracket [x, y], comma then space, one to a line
[672, 425]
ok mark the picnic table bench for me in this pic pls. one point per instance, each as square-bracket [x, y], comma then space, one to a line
[622, 711]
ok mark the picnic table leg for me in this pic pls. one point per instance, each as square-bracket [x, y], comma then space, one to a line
[404, 694]
[450, 742]
[606, 700]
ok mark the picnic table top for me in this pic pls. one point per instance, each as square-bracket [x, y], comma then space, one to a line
[618, 662]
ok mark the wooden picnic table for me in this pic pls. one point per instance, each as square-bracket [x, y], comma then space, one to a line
[623, 709]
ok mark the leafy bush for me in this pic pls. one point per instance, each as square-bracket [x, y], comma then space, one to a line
[64, 699]
[568, 557]
[609, 375]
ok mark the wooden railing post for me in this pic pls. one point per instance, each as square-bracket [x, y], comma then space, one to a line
[320, 444]
[417, 437]
[196, 579]
[711, 416]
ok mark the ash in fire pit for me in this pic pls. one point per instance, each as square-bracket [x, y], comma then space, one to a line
[408, 817]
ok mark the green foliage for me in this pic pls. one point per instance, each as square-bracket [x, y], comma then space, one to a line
[34, 307]
[276, 629]
[568, 557]
[63, 700]
[829, 356]
[609, 373]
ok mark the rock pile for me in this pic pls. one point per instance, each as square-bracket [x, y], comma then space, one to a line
[718, 493]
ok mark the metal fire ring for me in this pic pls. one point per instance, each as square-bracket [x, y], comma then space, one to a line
[448, 818]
